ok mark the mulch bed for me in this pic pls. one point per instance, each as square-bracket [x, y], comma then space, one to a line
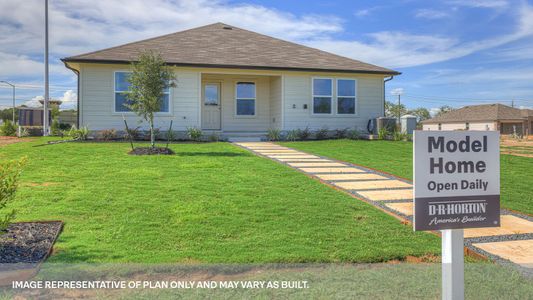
[27, 244]
[151, 151]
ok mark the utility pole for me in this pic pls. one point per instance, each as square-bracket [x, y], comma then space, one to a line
[399, 111]
[512, 103]
[46, 87]
[13, 86]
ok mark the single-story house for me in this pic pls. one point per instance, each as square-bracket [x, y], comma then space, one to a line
[231, 80]
[503, 118]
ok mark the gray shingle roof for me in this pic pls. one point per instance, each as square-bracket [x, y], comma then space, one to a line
[221, 45]
[484, 112]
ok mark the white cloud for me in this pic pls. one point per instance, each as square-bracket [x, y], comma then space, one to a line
[434, 111]
[362, 13]
[431, 14]
[397, 91]
[480, 3]
[68, 97]
[34, 102]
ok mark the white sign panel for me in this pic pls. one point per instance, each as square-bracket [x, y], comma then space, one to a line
[456, 179]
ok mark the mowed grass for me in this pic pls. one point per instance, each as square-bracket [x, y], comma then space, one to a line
[209, 203]
[397, 158]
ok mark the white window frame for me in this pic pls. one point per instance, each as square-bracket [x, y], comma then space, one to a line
[322, 96]
[159, 113]
[255, 98]
[354, 97]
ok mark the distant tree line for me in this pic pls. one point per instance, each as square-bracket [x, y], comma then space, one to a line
[421, 113]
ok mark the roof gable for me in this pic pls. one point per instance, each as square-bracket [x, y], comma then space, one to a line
[221, 45]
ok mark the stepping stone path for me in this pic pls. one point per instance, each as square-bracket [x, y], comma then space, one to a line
[512, 243]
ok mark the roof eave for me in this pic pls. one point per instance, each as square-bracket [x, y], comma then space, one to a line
[107, 61]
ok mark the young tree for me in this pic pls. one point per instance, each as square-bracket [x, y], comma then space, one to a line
[392, 109]
[421, 113]
[9, 175]
[444, 109]
[150, 77]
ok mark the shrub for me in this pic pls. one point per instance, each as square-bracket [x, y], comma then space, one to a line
[79, 134]
[108, 134]
[397, 135]
[9, 175]
[274, 134]
[55, 128]
[8, 128]
[341, 133]
[24, 132]
[213, 137]
[194, 133]
[292, 135]
[353, 134]
[133, 133]
[304, 134]
[322, 133]
[171, 135]
[383, 133]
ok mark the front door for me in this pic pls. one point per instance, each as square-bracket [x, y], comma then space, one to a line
[211, 106]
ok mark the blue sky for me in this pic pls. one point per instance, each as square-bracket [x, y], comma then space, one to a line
[451, 52]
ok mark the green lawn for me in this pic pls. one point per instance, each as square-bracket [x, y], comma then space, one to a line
[396, 158]
[209, 203]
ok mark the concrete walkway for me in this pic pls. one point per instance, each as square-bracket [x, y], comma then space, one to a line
[512, 243]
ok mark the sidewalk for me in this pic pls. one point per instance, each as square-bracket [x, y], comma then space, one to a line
[512, 243]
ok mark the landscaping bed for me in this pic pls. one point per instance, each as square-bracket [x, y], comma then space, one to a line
[27, 242]
[151, 151]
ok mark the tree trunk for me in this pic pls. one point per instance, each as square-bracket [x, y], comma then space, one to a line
[152, 135]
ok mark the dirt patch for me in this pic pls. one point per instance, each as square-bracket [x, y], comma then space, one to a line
[38, 184]
[151, 151]
[6, 140]
[518, 147]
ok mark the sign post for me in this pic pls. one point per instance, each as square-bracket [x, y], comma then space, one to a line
[456, 186]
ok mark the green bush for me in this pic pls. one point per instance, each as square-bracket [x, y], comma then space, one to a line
[213, 137]
[55, 128]
[24, 132]
[322, 133]
[341, 133]
[8, 128]
[292, 135]
[383, 133]
[194, 133]
[108, 134]
[79, 134]
[353, 134]
[9, 175]
[304, 134]
[274, 134]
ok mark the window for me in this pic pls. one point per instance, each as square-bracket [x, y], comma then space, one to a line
[467, 126]
[322, 95]
[211, 94]
[121, 89]
[245, 98]
[346, 92]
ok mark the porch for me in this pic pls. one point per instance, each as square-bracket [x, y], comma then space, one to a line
[240, 105]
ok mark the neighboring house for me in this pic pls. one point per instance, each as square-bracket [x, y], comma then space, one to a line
[505, 119]
[233, 80]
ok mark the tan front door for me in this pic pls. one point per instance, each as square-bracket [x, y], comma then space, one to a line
[211, 106]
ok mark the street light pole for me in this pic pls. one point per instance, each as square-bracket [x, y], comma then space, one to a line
[13, 86]
[46, 87]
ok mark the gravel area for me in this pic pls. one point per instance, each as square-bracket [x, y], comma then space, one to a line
[27, 243]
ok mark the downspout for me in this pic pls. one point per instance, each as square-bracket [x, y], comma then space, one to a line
[385, 81]
[77, 93]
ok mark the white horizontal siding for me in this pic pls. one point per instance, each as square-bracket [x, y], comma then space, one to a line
[298, 92]
[97, 100]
